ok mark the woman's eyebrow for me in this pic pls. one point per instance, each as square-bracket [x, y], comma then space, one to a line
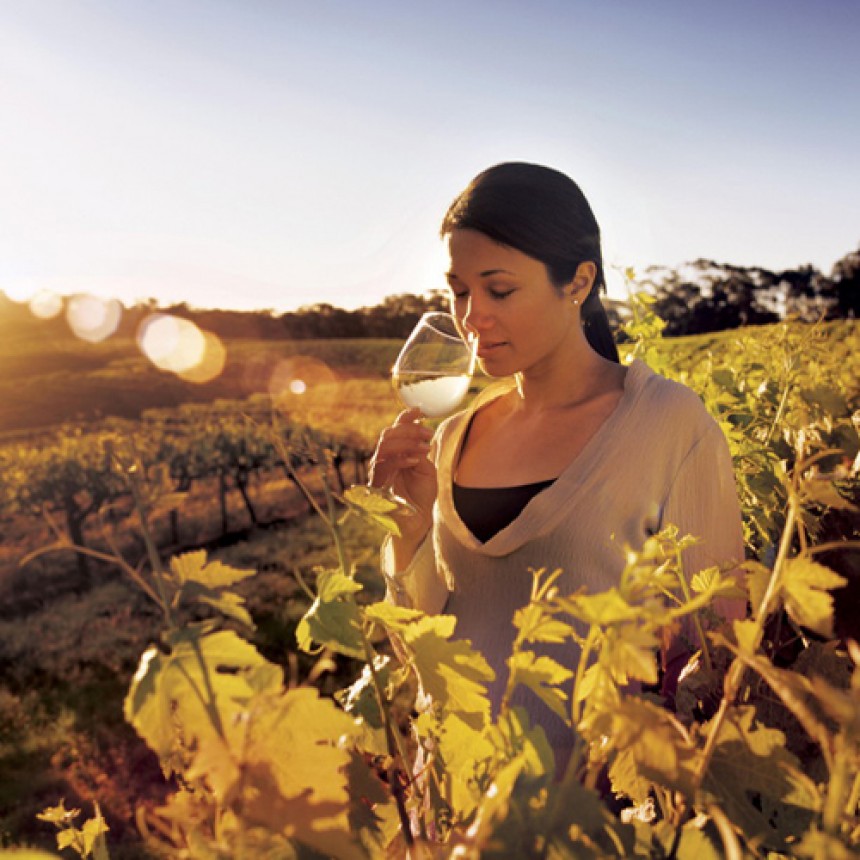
[451, 276]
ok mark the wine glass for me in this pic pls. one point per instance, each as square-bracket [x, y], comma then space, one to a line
[435, 366]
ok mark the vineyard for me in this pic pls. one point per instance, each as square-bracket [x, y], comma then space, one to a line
[253, 695]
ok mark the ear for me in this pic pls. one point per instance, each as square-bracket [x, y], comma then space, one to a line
[582, 282]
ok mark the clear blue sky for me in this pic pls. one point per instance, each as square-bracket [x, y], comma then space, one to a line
[272, 154]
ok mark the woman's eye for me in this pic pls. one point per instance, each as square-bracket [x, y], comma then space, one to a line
[500, 294]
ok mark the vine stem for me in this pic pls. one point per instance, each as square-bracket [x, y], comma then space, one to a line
[331, 522]
[735, 674]
[731, 844]
[151, 549]
[854, 797]
[697, 621]
[570, 773]
[98, 556]
[833, 801]
[395, 748]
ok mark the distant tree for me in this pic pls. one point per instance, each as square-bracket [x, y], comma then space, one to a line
[846, 285]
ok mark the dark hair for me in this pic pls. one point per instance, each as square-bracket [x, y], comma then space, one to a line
[544, 214]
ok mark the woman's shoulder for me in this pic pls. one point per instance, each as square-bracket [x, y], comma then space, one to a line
[668, 399]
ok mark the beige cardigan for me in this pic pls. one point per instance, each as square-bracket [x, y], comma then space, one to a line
[659, 458]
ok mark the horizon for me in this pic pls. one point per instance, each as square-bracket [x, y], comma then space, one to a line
[270, 157]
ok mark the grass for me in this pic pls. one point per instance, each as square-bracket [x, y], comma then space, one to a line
[48, 382]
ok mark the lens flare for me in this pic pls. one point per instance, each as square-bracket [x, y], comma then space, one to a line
[46, 305]
[92, 318]
[211, 362]
[300, 375]
[18, 293]
[171, 343]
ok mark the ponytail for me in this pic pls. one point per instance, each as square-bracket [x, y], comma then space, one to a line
[595, 325]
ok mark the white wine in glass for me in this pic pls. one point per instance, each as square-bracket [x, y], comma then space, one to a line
[435, 366]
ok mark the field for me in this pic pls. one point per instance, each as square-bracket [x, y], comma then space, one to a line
[70, 645]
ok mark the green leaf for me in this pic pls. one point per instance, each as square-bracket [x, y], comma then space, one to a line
[758, 578]
[333, 619]
[694, 844]
[393, 618]
[632, 654]
[93, 832]
[68, 838]
[538, 625]
[607, 607]
[542, 675]
[822, 491]
[192, 691]
[747, 634]
[452, 673]
[460, 748]
[805, 586]
[374, 504]
[750, 771]
[192, 567]
[648, 747]
[359, 699]
[831, 400]
[287, 772]
[229, 604]
[58, 814]
[815, 844]
[332, 584]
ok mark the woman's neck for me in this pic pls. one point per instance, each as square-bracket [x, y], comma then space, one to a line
[567, 378]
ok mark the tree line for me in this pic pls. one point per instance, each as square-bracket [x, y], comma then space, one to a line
[699, 297]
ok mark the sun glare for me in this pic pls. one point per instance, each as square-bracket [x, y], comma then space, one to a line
[46, 305]
[296, 376]
[179, 346]
[91, 318]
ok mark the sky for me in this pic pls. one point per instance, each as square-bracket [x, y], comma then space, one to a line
[268, 155]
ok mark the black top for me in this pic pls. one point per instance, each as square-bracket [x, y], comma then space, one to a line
[487, 510]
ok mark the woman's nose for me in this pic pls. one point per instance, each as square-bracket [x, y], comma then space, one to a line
[475, 318]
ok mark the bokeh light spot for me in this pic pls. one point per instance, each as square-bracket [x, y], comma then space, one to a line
[211, 362]
[46, 305]
[171, 343]
[299, 375]
[92, 318]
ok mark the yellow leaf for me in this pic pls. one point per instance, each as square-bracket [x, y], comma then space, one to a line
[194, 690]
[542, 675]
[607, 607]
[629, 659]
[706, 580]
[375, 505]
[747, 634]
[192, 567]
[450, 672]
[805, 587]
[538, 625]
[758, 578]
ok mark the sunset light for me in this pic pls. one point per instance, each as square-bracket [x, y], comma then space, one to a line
[92, 318]
[46, 305]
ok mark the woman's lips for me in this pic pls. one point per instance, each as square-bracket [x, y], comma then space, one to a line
[485, 349]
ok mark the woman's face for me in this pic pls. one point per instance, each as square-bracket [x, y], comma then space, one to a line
[506, 300]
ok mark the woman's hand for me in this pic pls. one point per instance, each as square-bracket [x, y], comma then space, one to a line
[401, 462]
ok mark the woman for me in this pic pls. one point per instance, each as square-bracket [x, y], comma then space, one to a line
[570, 459]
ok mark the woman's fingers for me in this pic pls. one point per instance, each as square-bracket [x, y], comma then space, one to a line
[403, 446]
